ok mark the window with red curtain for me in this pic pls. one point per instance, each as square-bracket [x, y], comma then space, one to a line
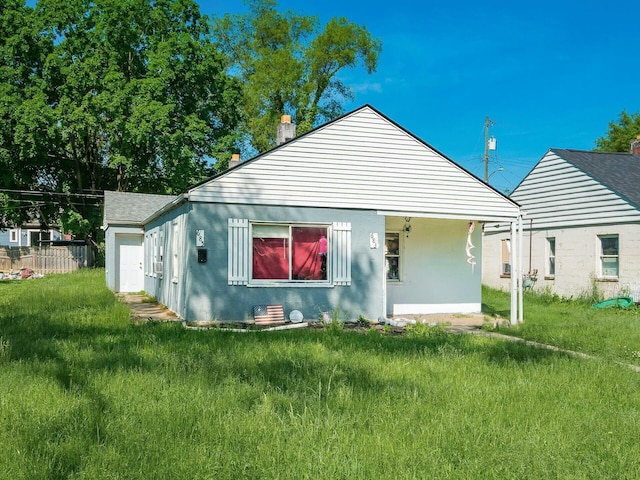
[289, 252]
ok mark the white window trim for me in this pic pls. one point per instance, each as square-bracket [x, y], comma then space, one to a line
[400, 256]
[174, 253]
[507, 242]
[240, 260]
[549, 256]
[13, 236]
[601, 256]
[270, 283]
[154, 246]
[146, 254]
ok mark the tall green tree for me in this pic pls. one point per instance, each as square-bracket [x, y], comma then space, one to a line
[289, 64]
[620, 134]
[140, 91]
[23, 135]
[113, 94]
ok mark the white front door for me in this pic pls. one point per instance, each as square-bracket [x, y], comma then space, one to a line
[131, 255]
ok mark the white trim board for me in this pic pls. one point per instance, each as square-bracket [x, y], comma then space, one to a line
[431, 308]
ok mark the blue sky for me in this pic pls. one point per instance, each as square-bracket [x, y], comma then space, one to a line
[549, 74]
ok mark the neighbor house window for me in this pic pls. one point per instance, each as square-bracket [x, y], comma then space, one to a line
[551, 256]
[505, 264]
[392, 255]
[38, 237]
[13, 236]
[289, 252]
[609, 256]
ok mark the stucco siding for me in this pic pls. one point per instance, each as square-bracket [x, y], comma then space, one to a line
[171, 233]
[208, 296]
[576, 260]
[436, 276]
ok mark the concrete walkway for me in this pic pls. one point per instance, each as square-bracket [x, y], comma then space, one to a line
[508, 338]
[144, 310]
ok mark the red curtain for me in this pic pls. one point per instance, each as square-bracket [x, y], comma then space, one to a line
[307, 262]
[271, 256]
[270, 259]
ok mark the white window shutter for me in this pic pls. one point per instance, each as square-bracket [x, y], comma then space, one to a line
[238, 255]
[341, 253]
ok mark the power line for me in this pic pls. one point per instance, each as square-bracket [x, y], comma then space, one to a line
[98, 196]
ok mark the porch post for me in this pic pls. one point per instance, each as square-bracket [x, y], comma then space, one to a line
[514, 274]
[520, 271]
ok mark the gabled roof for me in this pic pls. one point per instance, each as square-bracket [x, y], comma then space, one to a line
[362, 160]
[572, 188]
[619, 172]
[124, 208]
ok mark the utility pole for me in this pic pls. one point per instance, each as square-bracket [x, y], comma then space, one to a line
[488, 123]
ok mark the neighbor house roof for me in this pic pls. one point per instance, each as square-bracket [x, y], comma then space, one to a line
[124, 208]
[571, 188]
[619, 172]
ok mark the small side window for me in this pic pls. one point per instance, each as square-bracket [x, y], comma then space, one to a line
[392, 255]
[551, 257]
[505, 264]
[609, 256]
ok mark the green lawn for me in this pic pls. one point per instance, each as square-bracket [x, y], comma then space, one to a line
[609, 333]
[87, 395]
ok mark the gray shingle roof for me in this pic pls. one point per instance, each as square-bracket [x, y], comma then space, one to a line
[124, 208]
[619, 172]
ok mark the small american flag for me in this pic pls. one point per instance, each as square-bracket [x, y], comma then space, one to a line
[268, 314]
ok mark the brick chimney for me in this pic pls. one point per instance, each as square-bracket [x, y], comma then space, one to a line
[635, 146]
[235, 160]
[285, 131]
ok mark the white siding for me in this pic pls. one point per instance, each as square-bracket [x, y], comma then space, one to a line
[360, 161]
[556, 194]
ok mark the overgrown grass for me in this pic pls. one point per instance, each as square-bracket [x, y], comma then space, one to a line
[88, 395]
[573, 324]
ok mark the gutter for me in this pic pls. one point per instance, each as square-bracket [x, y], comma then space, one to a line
[182, 198]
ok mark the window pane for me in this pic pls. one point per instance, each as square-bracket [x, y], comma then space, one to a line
[392, 244]
[610, 267]
[270, 252]
[393, 268]
[281, 252]
[551, 256]
[309, 253]
[506, 257]
[392, 255]
[609, 245]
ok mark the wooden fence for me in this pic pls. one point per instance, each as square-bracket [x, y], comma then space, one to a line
[46, 259]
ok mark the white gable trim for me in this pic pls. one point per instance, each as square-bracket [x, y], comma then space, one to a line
[360, 161]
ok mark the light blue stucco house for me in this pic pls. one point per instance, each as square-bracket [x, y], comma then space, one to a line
[358, 215]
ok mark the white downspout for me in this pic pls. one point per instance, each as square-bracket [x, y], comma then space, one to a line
[520, 271]
[514, 275]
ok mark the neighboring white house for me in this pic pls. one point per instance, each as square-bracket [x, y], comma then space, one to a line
[357, 216]
[581, 226]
